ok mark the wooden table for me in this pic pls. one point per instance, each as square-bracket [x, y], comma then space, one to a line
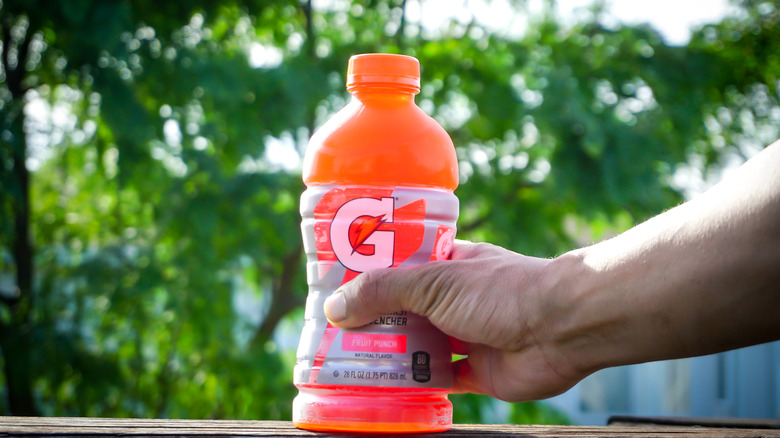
[111, 427]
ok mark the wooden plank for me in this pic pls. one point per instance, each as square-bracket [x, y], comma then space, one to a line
[114, 427]
[743, 423]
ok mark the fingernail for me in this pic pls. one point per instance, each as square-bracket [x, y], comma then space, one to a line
[336, 307]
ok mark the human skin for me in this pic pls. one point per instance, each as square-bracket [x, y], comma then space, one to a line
[700, 278]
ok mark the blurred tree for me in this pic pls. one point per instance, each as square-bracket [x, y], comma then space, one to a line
[149, 242]
[142, 217]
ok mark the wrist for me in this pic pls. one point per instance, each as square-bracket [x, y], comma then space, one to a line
[588, 320]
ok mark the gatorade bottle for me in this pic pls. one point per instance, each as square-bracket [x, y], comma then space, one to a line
[380, 177]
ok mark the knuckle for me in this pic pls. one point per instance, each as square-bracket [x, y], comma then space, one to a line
[368, 287]
[431, 289]
[476, 250]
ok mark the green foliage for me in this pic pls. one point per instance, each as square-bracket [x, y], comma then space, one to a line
[166, 243]
[477, 408]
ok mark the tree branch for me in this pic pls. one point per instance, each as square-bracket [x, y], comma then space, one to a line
[283, 297]
[14, 77]
[307, 12]
[17, 341]
[474, 224]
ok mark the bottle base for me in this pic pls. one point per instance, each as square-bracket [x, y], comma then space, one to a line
[371, 409]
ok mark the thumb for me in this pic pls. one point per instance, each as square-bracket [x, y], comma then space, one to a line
[417, 289]
[369, 295]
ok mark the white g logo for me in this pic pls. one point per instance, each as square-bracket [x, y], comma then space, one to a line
[362, 247]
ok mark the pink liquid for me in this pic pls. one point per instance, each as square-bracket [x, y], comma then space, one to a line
[371, 409]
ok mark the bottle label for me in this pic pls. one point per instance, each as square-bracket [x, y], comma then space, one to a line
[348, 230]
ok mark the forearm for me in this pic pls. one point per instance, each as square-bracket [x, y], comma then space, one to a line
[700, 278]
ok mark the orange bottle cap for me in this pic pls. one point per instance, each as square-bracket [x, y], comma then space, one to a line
[383, 69]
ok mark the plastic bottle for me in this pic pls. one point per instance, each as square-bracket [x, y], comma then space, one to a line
[380, 177]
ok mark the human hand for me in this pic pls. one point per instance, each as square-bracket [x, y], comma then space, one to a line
[697, 279]
[497, 305]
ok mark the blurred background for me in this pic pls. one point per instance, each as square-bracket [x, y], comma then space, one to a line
[150, 152]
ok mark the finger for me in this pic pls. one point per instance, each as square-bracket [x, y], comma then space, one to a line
[416, 289]
[465, 380]
[464, 250]
[369, 295]
[461, 249]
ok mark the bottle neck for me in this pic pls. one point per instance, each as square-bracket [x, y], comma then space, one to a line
[384, 94]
